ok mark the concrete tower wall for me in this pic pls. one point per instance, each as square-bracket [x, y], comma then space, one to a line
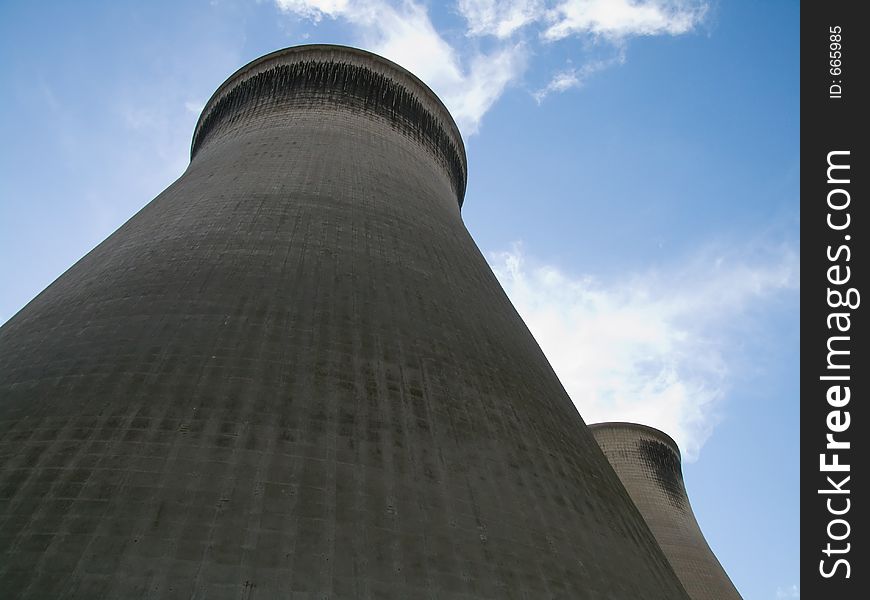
[649, 465]
[293, 374]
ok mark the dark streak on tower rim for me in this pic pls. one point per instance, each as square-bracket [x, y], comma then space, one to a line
[342, 76]
[661, 454]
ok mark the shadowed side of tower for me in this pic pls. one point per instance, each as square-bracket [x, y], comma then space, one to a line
[293, 374]
[648, 463]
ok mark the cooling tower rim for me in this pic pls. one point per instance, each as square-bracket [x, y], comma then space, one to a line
[404, 78]
[651, 431]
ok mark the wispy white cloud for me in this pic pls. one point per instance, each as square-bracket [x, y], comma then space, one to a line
[651, 348]
[194, 106]
[470, 79]
[573, 77]
[316, 9]
[791, 591]
[619, 19]
[614, 19]
[499, 18]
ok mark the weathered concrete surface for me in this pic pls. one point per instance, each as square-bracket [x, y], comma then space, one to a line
[649, 465]
[293, 375]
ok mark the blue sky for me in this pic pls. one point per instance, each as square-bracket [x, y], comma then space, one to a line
[633, 181]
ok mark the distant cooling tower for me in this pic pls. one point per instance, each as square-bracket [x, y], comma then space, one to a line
[293, 375]
[648, 463]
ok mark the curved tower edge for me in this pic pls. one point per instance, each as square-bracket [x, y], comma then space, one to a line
[648, 462]
[374, 82]
[664, 437]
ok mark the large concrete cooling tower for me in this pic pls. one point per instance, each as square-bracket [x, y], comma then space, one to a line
[648, 463]
[293, 375]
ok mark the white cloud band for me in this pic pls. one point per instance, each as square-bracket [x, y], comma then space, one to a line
[652, 348]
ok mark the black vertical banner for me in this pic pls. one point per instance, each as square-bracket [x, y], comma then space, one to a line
[835, 366]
